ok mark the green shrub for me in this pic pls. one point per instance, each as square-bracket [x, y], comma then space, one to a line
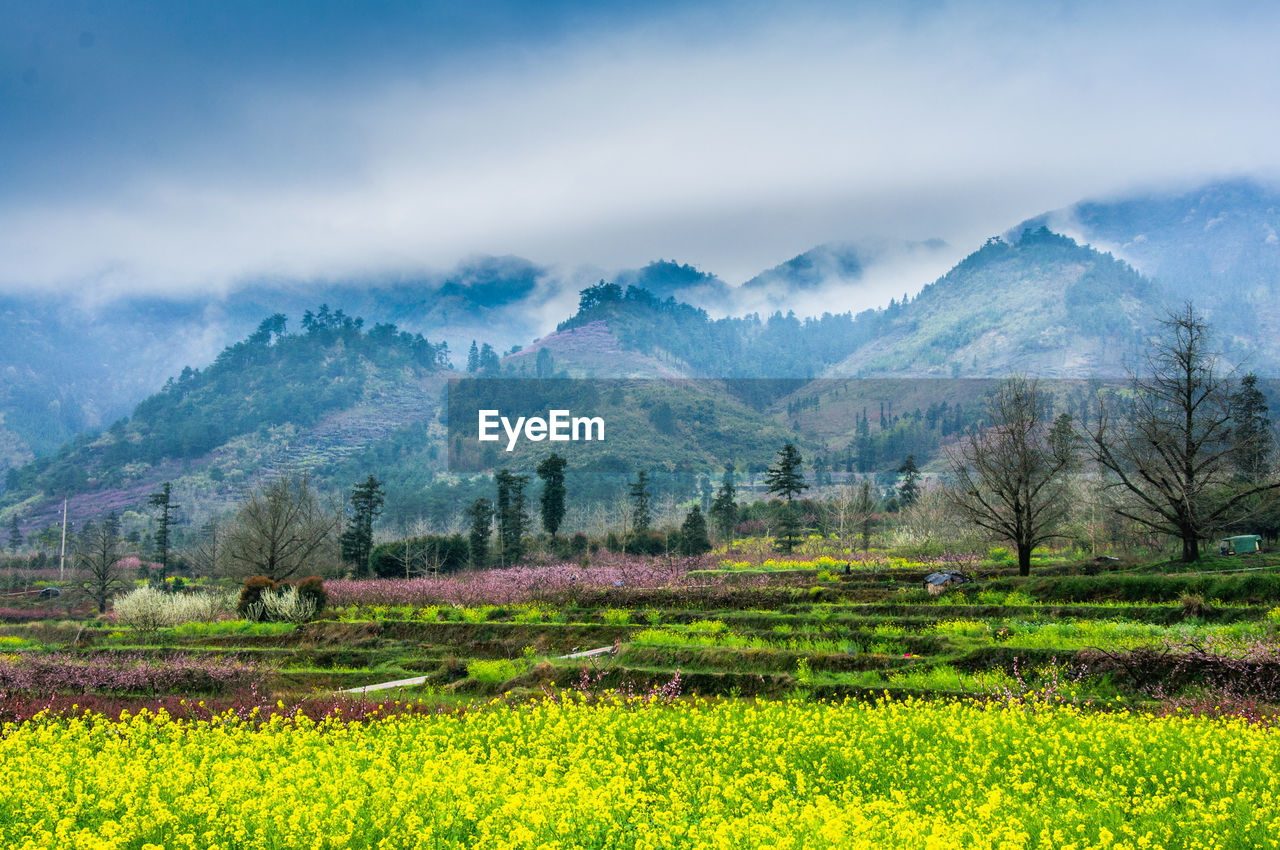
[446, 554]
[494, 672]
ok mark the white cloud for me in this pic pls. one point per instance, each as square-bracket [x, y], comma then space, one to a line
[731, 147]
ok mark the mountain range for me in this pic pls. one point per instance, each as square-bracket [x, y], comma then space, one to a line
[1072, 293]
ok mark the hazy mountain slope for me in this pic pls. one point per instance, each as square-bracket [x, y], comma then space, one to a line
[842, 276]
[71, 366]
[1217, 245]
[1042, 305]
[273, 401]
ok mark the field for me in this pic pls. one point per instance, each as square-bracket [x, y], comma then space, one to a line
[640, 774]
[736, 700]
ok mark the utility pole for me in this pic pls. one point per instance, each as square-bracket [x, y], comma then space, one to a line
[62, 558]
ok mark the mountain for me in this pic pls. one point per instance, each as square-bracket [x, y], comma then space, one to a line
[1217, 245]
[72, 366]
[670, 279]
[341, 401]
[1042, 304]
[858, 274]
[272, 402]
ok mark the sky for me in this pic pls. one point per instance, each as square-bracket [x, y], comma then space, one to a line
[193, 147]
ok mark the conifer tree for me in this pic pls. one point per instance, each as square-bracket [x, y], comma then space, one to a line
[15, 534]
[367, 499]
[551, 471]
[724, 507]
[481, 515]
[641, 515]
[909, 488]
[785, 480]
[693, 534]
[513, 519]
[162, 499]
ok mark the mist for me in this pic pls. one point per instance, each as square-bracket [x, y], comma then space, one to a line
[731, 139]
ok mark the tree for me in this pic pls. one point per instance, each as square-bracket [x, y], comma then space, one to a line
[863, 508]
[1171, 448]
[513, 519]
[473, 358]
[490, 365]
[909, 488]
[724, 507]
[705, 494]
[98, 555]
[1011, 477]
[785, 480]
[551, 471]
[1251, 430]
[282, 529]
[15, 534]
[481, 515]
[545, 365]
[693, 534]
[641, 514]
[367, 499]
[164, 524]
[208, 556]
[853, 508]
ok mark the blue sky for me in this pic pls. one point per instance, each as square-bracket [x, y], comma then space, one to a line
[182, 146]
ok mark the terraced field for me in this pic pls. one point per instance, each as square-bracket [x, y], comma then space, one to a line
[1120, 635]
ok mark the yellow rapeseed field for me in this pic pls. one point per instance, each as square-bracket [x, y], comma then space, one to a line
[732, 774]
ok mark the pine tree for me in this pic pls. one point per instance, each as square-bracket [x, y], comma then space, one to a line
[162, 499]
[551, 471]
[15, 534]
[1251, 431]
[785, 480]
[490, 365]
[545, 365]
[693, 534]
[641, 516]
[724, 508]
[513, 519]
[367, 499]
[909, 488]
[473, 358]
[481, 515]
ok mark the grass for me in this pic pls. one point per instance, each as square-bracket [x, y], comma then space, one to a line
[872, 629]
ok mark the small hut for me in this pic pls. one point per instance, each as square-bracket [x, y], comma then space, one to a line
[1241, 544]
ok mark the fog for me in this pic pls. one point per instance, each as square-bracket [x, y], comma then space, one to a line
[729, 137]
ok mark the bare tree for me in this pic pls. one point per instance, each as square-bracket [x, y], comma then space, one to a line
[99, 552]
[853, 508]
[282, 530]
[1010, 477]
[209, 553]
[1171, 446]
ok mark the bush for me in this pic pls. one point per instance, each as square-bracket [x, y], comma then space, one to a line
[312, 588]
[148, 609]
[646, 543]
[144, 609]
[283, 605]
[251, 593]
[494, 672]
[428, 552]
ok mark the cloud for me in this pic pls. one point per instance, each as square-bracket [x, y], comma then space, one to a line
[730, 139]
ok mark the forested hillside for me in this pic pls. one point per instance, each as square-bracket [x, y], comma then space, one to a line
[275, 399]
[1042, 304]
